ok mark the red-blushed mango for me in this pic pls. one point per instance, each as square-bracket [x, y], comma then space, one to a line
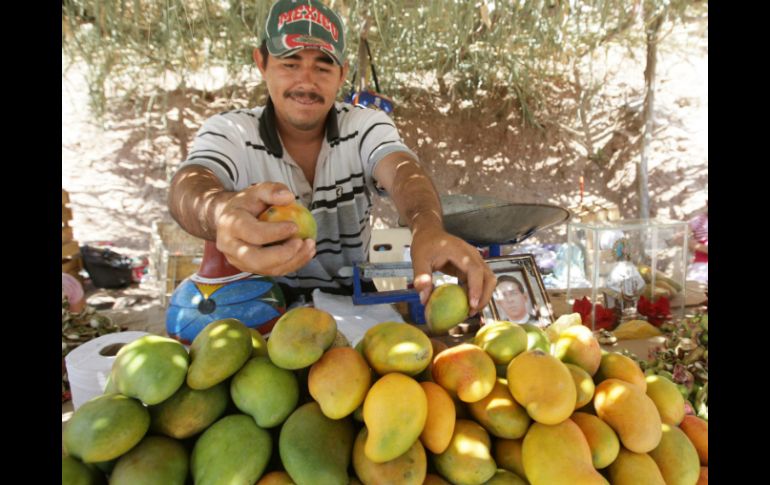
[156, 460]
[584, 385]
[431, 479]
[218, 352]
[447, 306]
[397, 347]
[500, 414]
[296, 213]
[264, 391]
[631, 468]
[558, 455]
[440, 423]
[629, 412]
[300, 337]
[508, 455]
[667, 399]
[466, 371]
[601, 439]
[427, 374]
[505, 477]
[339, 381]
[618, 366]
[407, 469]
[577, 345]
[676, 457]
[543, 385]
[278, 477]
[395, 411]
[468, 459]
[703, 478]
[697, 430]
[502, 340]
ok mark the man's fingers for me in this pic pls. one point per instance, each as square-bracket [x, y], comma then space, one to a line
[240, 225]
[271, 193]
[423, 278]
[273, 260]
[475, 287]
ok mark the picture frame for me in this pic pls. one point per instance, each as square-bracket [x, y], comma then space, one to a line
[514, 274]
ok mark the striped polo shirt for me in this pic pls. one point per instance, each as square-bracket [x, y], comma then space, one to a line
[243, 147]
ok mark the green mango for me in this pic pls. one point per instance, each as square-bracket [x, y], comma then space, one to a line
[105, 428]
[536, 338]
[189, 411]
[314, 449]
[156, 460]
[300, 337]
[150, 369]
[233, 450]
[264, 391]
[75, 472]
[217, 353]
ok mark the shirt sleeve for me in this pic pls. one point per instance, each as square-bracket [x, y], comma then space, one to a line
[218, 146]
[379, 138]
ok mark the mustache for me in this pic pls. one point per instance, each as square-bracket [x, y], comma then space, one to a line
[304, 94]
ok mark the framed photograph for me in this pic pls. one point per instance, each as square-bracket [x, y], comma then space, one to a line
[520, 295]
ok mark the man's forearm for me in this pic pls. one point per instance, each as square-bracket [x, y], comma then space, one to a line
[195, 199]
[415, 196]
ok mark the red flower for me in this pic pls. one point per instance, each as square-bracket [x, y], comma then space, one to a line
[605, 317]
[657, 312]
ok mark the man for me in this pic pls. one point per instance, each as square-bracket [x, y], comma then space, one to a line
[328, 156]
[512, 301]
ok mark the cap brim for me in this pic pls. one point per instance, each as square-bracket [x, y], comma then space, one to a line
[277, 47]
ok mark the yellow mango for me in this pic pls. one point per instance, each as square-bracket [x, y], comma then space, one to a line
[601, 439]
[676, 457]
[407, 469]
[500, 414]
[543, 385]
[617, 366]
[397, 347]
[584, 385]
[577, 345]
[502, 340]
[630, 413]
[468, 459]
[300, 337]
[667, 399]
[395, 411]
[447, 306]
[508, 455]
[339, 381]
[558, 455]
[440, 423]
[466, 371]
[631, 468]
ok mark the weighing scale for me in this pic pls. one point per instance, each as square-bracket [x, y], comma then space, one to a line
[482, 221]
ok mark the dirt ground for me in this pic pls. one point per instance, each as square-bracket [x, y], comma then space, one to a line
[117, 172]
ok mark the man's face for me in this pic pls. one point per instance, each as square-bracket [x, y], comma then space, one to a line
[511, 300]
[303, 86]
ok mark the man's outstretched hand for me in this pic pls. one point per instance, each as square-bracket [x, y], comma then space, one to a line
[434, 249]
[265, 248]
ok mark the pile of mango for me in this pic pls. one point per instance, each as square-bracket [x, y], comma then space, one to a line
[507, 407]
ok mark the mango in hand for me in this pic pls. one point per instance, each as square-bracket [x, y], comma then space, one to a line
[296, 213]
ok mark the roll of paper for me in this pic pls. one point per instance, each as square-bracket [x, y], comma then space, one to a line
[89, 365]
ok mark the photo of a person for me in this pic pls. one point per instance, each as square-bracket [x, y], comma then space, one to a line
[512, 301]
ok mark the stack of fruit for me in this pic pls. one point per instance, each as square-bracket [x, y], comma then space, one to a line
[508, 407]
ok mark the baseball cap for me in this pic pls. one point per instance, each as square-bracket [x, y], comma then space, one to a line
[293, 25]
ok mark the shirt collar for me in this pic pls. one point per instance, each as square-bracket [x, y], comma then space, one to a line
[268, 129]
